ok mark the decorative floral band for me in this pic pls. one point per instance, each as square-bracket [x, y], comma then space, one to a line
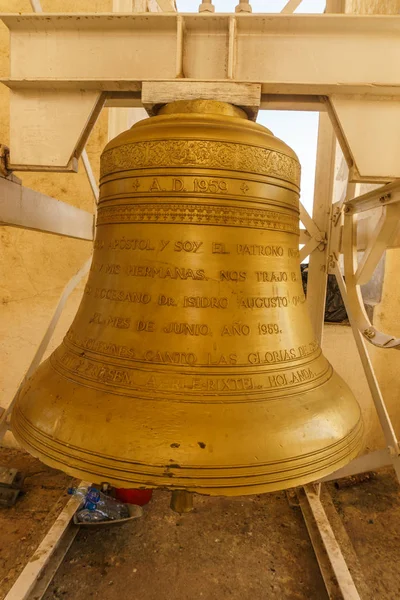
[201, 153]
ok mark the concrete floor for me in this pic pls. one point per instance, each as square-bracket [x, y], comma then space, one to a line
[243, 548]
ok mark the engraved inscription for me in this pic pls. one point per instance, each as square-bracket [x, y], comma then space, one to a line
[130, 244]
[235, 329]
[170, 358]
[222, 359]
[299, 376]
[187, 246]
[257, 250]
[155, 187]
[210, 186]
[271, 276]
[165, 184]
[164, 244]
[263, 302]
[293, 253]
[120, 351]
[298, 299]
[282, 355]
[166, 300]
[187, 328]
[178, 185]
[146, 326]
[122, 296]
[102, 347]
[148, 380]
[219, 248]
[204, 302]
[108, 269]
[232, 275]
[224, 385]
[268, 328]
[175, 357]
[166, 272]
[110, 321]
[111, 269]
[102, 373]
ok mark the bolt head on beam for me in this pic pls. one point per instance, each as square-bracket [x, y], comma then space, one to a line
[243, 7]
[206, 7]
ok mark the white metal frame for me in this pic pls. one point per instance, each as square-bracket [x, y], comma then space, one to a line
[329, 232]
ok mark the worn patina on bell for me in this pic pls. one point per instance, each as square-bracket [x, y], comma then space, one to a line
[192, 363]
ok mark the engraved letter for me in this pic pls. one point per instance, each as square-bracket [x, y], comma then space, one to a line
[155, 186]
[177, 185]
[164, 244]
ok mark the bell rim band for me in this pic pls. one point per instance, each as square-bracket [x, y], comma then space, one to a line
[170, 477]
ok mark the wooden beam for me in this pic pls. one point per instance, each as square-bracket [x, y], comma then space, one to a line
[26, 208]
[245, 95]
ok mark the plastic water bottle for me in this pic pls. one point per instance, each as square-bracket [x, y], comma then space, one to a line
[97, 506]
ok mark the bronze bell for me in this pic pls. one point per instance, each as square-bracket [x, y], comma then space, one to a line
[191, 363]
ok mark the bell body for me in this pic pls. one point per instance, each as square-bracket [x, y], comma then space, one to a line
[191, 363]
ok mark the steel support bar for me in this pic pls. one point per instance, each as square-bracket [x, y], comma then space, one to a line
[44, 44]
[290, 7]
[64, 60]
[375, 249]
[381, 237]
[383, 196]
[26, 208]
[383, 415]
[362, 464]
[323, 194]
[337, 578]
[90, 175]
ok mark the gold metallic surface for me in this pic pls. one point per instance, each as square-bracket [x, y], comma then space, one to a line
[181, 501]
[191, 363]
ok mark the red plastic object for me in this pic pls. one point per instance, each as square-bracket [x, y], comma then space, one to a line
[139, 497]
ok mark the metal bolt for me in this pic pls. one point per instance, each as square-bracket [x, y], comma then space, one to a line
[369, 333]
[243, 6]
[207, 6]
[385, 197]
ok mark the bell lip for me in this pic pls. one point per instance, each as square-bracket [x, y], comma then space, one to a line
[206, 490]
[289, 475]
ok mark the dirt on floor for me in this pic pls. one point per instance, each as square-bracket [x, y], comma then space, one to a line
[370, 513]
[23, 526]
[237, 548]
[247, 548]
